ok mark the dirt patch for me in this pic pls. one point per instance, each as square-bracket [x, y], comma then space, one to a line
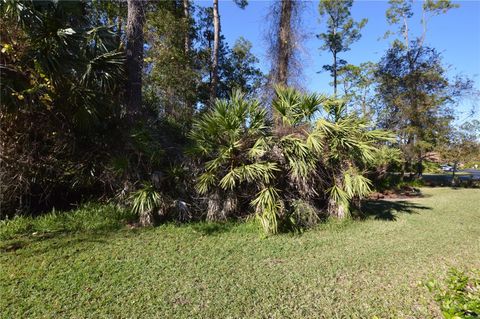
[404, 193]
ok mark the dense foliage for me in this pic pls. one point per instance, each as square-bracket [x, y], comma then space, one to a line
[144, 103]
[288, 171]
[61, 88]
[66, 134]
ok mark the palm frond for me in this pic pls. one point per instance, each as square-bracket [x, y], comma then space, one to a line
[204, 182]
[268, 206]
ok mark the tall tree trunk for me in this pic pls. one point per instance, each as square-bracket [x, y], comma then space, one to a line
[135, 21]
[405, 31]
[189, 104]
[285, 42]
[365, 109]
[335, 74]
[186, 16]
[216, 46]
[284, 50]
[403, 171]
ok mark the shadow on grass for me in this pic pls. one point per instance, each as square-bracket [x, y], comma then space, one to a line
[388, 210]
[212, 228]
[55, 241]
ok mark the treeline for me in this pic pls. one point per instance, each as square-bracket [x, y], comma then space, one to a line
[144, 103]
[97, 95]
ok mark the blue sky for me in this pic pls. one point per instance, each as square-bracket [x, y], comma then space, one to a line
[456, 35]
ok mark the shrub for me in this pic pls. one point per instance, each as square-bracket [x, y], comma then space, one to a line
[146, 203]
[247, 159]
[472, 164]
[459, 296]
[431, 167]
[386, 159]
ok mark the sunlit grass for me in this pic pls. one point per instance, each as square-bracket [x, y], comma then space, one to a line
[352, 269]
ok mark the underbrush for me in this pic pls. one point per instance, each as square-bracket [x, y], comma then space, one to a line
[394, 182]
[89, 217]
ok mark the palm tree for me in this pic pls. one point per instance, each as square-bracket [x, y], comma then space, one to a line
[245, 158]
[223, 138]
[279, 168]
[349, 147]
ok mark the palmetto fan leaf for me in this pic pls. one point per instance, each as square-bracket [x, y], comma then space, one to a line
[224, 156]
[205, 181]
[315, 142]
[81, 62]
[355, 185]
[103, 71]
[250, 173]
[294, 107]
[260, 148]
[145, 200]
[268, 206]
[300, 158]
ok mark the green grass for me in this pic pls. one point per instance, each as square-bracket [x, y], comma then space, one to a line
[87, 218]
[375, 267]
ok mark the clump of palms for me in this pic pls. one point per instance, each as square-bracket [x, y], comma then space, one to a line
[285, 166]
[248, 158]
[226, 142]
[349, 147]
[287, 169]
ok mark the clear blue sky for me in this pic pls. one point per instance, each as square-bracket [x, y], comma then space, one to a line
[456, 35]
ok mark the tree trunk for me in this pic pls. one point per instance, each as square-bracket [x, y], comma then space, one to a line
[420, 166]
[135, 21]
[146, 219]
[216, 46]
[404, 170]
[405, 31]
[186, 16]
[285, 44]
[335, 74]
[336, 210]
[453, 173]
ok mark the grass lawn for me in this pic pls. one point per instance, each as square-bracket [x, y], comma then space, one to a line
[339, 270]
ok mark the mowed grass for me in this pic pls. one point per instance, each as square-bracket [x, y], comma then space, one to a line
[356, 269]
